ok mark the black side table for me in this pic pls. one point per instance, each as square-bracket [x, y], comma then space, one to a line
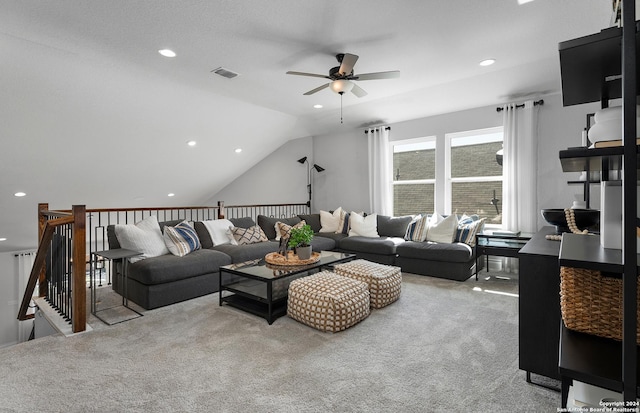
[116, 311]
[501, 245]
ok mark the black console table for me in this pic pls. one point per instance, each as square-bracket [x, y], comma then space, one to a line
[539, 305]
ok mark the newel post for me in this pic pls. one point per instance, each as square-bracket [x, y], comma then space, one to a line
[79, 277]
[220, 209]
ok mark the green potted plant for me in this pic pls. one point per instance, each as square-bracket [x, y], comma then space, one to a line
[300, 239]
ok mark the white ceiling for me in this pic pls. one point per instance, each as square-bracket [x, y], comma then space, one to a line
[86, 99]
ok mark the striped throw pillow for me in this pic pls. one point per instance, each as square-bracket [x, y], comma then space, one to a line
[181, 239]
[417, 229]
[467, 230]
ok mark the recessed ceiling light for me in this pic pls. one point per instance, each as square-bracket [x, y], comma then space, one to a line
[19, 194]
[317, 106]
[171, 194]
[521, 2]
[238, 150]
[167, 53]
[487, 62]
[191, 143]
[3, 239]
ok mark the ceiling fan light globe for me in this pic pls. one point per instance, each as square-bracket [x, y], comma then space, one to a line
[341, 86]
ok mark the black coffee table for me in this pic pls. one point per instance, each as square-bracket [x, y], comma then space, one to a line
[262, 289]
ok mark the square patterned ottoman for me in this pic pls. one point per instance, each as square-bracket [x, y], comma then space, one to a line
[384, 281]
[328, 302]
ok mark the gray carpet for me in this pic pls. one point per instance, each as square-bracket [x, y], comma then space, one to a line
[442, 347]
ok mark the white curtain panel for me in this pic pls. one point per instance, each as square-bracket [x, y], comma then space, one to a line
[380, 195]
[520, 206]
[25, 263]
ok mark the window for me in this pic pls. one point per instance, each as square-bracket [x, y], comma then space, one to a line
[414, 173]
[473, 174]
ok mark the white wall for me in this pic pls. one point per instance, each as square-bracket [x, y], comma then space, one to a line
[277, 179]
[8, 299]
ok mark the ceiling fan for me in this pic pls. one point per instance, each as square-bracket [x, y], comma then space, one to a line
[342, 76]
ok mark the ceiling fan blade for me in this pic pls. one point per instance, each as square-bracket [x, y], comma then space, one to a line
[348, 61]
[307, 74]
[358, 91]
[378, 75]
[318, 89]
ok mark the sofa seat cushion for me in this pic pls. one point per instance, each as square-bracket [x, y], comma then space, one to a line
[248, 252]
[168, 268]
[323, 243]
[434, 251]
[379, 245]
[335, 237]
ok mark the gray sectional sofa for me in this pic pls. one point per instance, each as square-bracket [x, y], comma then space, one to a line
[167, 279]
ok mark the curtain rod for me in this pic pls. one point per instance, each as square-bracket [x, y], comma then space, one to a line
[376, 129]
[535, 103]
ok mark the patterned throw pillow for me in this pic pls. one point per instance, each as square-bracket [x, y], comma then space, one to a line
[283, 230]
[181, 239]
[417, 229]
[250, 235]
[467, 230]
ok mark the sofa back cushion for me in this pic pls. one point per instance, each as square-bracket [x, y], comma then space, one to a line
[393, 226]
[268, 224]
[312, 220]
[203, 234]
[244, 222]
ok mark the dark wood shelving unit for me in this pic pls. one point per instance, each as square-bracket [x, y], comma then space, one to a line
[586, 357]
[598, 68]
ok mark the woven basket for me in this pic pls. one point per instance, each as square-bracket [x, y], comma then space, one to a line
[592, 303]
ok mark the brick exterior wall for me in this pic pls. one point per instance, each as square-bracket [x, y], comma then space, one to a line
[468, 198]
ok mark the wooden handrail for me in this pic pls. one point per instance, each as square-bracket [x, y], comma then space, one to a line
[46, 229]
[58, 214]
[38, 267]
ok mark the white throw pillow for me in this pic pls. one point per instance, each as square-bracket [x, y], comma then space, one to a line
[363, 226]
[329, 221]
[442, 229]
[218, 230]
[144, 237]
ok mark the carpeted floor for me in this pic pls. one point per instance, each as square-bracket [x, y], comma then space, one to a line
[444, 346]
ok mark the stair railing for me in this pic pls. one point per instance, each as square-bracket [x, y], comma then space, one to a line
[62, 242]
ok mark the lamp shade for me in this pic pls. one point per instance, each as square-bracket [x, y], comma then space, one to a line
[341, 86]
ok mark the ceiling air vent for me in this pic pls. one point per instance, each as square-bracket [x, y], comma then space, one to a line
[224, 72]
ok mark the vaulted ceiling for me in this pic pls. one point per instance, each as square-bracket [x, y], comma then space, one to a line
[91, 114]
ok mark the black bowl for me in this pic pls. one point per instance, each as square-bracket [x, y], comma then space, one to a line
[585, 218]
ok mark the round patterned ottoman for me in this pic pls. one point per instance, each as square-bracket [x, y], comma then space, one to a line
[328, 302]
[384, 281]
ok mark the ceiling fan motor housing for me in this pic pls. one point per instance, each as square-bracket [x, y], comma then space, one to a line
[334, 73]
